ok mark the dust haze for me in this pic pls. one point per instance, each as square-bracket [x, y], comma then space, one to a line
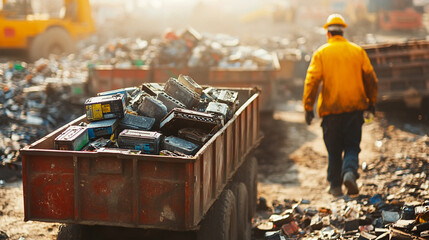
[247, 19]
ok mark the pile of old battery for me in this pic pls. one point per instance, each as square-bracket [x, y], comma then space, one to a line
[36, 99]
[179, 49]
[173, 119]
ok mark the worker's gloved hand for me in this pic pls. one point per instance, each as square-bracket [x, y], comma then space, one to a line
[369, 113]
[371, 109]
[309, 115]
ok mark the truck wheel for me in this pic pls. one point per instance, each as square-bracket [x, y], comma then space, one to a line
[70, 232]
[220, 222]
[248, 174]
[242, 204]
[56, 41]
[34, 52]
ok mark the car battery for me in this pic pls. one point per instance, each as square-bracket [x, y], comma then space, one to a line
[208, 94]
[194, 135]
[152, 88]
[127, 92]
[97, 144]
[172, 143]
[173, 154]
[124, 91]
[113, 92]
[180, 92]
[102, 128]
[105, 107]
[151, 107]
[202, 105]
[146, 141]
[137, 99]
[184, 118]
[136, 122]
[190, 83]
[218, 109]
[169, 101]
[74, 138]
[231, 99]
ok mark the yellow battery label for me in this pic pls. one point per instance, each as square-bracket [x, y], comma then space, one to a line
[96, 112]
[106, 108]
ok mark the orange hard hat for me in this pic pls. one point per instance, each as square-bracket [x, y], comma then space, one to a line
[335, 19]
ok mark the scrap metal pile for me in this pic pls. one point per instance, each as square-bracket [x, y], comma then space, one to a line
[173, 119]
[393, 204]
[187, 48]
[34, 100]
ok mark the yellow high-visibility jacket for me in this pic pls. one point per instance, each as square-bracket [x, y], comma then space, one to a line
[348, 79]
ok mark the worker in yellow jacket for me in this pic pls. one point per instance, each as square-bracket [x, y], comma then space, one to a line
[348, 88]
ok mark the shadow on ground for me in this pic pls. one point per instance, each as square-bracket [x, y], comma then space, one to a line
[413, 120]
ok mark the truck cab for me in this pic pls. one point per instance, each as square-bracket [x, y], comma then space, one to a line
[42, 27]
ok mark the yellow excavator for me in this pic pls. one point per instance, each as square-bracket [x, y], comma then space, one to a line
[44, 27]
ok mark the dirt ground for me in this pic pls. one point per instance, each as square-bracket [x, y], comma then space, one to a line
[292, 162]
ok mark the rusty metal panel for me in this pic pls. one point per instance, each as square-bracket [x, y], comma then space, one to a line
[402, 68]
[106, 196]
[207, 175]
[130, 77]
[53, 199]
[162, 73]
[249, 128]
[256, 120]
[220, 163]
[101, 79]
[106, 78]
[237, 143]
[197, 191]
[243, 134]
[229, 151]
[162, 204]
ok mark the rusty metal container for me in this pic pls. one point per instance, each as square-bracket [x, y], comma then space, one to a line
[115, 188]
[402, 69]
[264, 78]
[105, 78]
[160, 74]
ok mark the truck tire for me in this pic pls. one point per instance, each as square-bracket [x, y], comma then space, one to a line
[242, 204]
[35, 50]
[248, 174]
[70, 232]
[220, 223]
[56, 41]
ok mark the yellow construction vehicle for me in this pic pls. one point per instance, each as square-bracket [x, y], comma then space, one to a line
[43, 27]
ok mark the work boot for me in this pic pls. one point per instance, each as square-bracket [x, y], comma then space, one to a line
[349, 180]
[336, 191]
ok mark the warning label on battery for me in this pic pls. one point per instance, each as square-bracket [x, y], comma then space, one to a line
[106, 108]
[93, 112]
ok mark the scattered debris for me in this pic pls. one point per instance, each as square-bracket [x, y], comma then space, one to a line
[394, 206]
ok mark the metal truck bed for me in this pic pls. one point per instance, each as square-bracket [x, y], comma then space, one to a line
[136, 190]
[402, 69]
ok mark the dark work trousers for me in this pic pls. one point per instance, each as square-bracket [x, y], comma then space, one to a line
[342, 134]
